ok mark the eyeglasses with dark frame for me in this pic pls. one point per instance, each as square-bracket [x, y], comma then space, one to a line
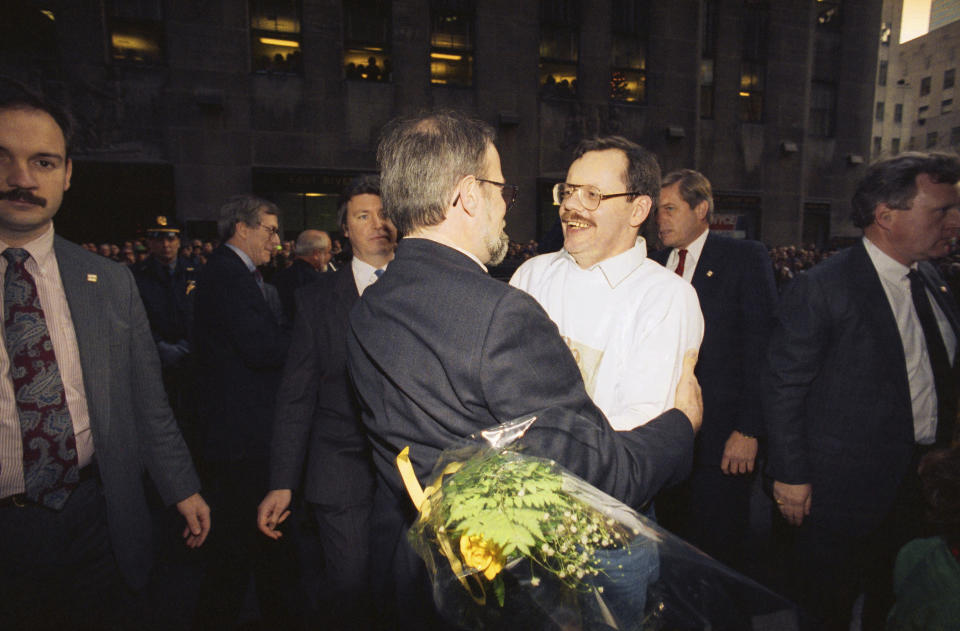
[273, 230]
[588, 194]
[509, 191]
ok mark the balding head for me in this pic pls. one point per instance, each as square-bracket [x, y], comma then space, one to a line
[313, 246]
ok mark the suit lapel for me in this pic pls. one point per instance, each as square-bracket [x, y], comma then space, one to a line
[86, 295]
[707, 265]
[867, 292]
[345, 292]
[941, 292]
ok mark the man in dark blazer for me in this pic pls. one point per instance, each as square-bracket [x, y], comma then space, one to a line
[70, 561]
[318, 417]
[312, 251]
[734, 283]
[241, 348]
[438, 350]
[855, 395]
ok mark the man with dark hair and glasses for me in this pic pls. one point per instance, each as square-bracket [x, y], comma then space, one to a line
[626, 319]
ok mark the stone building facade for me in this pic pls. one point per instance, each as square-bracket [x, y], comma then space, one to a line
[183, 103]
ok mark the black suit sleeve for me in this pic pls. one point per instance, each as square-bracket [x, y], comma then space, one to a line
[526, 367]
[758, 298]
[296, 399]
[796, 353]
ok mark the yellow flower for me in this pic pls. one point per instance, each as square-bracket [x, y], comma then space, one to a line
[482, 555]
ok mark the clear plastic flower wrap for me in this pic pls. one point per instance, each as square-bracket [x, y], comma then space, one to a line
[514, 541]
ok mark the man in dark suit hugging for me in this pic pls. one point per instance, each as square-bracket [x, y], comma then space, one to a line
[439, 350]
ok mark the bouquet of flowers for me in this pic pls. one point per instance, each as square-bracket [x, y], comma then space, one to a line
[515, 541]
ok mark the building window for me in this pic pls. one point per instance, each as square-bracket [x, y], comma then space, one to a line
[708, 55]
[136, 31]
[946, 106]
[823, 106]
[628, 51]
[898, 113]
[559, 48]
[922, 114]
[949, 77]
[895, 146]
[882, 73]
[931, 139]
[879, 112]
[877, 145]
[925, 86]
[366, 40]
[753, 64]
[275, 36]
[451, 42]
[955, 136]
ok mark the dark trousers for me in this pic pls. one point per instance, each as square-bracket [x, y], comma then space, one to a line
[711, 510]
[344, 533]
[57, 569]
[827, 570]
[237, 550]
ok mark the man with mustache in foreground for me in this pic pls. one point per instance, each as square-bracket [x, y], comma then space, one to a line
[439, 350]
[82, 406]
[627, 320]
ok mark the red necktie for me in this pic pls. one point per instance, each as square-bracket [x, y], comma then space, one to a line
[50, 470]
[683, 258]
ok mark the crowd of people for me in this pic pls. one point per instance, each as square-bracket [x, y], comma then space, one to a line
[266, 386]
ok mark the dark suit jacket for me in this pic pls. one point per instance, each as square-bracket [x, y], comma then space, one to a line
[318, 416]
[837, 401]
[737, 293]
[287, 282]
[240, 351]
[133, 427]
[438, 350]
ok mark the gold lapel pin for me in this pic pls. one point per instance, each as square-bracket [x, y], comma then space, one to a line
[943, 288]
[91, 278]
[709, 273]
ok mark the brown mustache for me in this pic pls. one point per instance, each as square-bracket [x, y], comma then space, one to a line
[577, 217]
[22, 195]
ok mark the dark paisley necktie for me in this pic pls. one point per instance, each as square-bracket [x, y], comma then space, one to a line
[50, 469]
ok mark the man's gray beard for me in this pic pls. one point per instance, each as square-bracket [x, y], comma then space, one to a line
[497, 249]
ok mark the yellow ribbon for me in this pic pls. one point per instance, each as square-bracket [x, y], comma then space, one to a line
[419, 496]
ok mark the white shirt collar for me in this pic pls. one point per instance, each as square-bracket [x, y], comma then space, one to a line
[40, 249]
[364, 274]
[695, 249]
[887, 267]
[616, 268]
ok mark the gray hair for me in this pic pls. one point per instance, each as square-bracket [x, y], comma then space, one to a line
[245, 208]
[421, 161]
[310, 241]
[694, 187]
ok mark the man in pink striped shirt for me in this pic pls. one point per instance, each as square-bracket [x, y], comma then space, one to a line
[74, 529]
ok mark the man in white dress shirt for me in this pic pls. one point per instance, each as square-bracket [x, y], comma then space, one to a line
[627, 320]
